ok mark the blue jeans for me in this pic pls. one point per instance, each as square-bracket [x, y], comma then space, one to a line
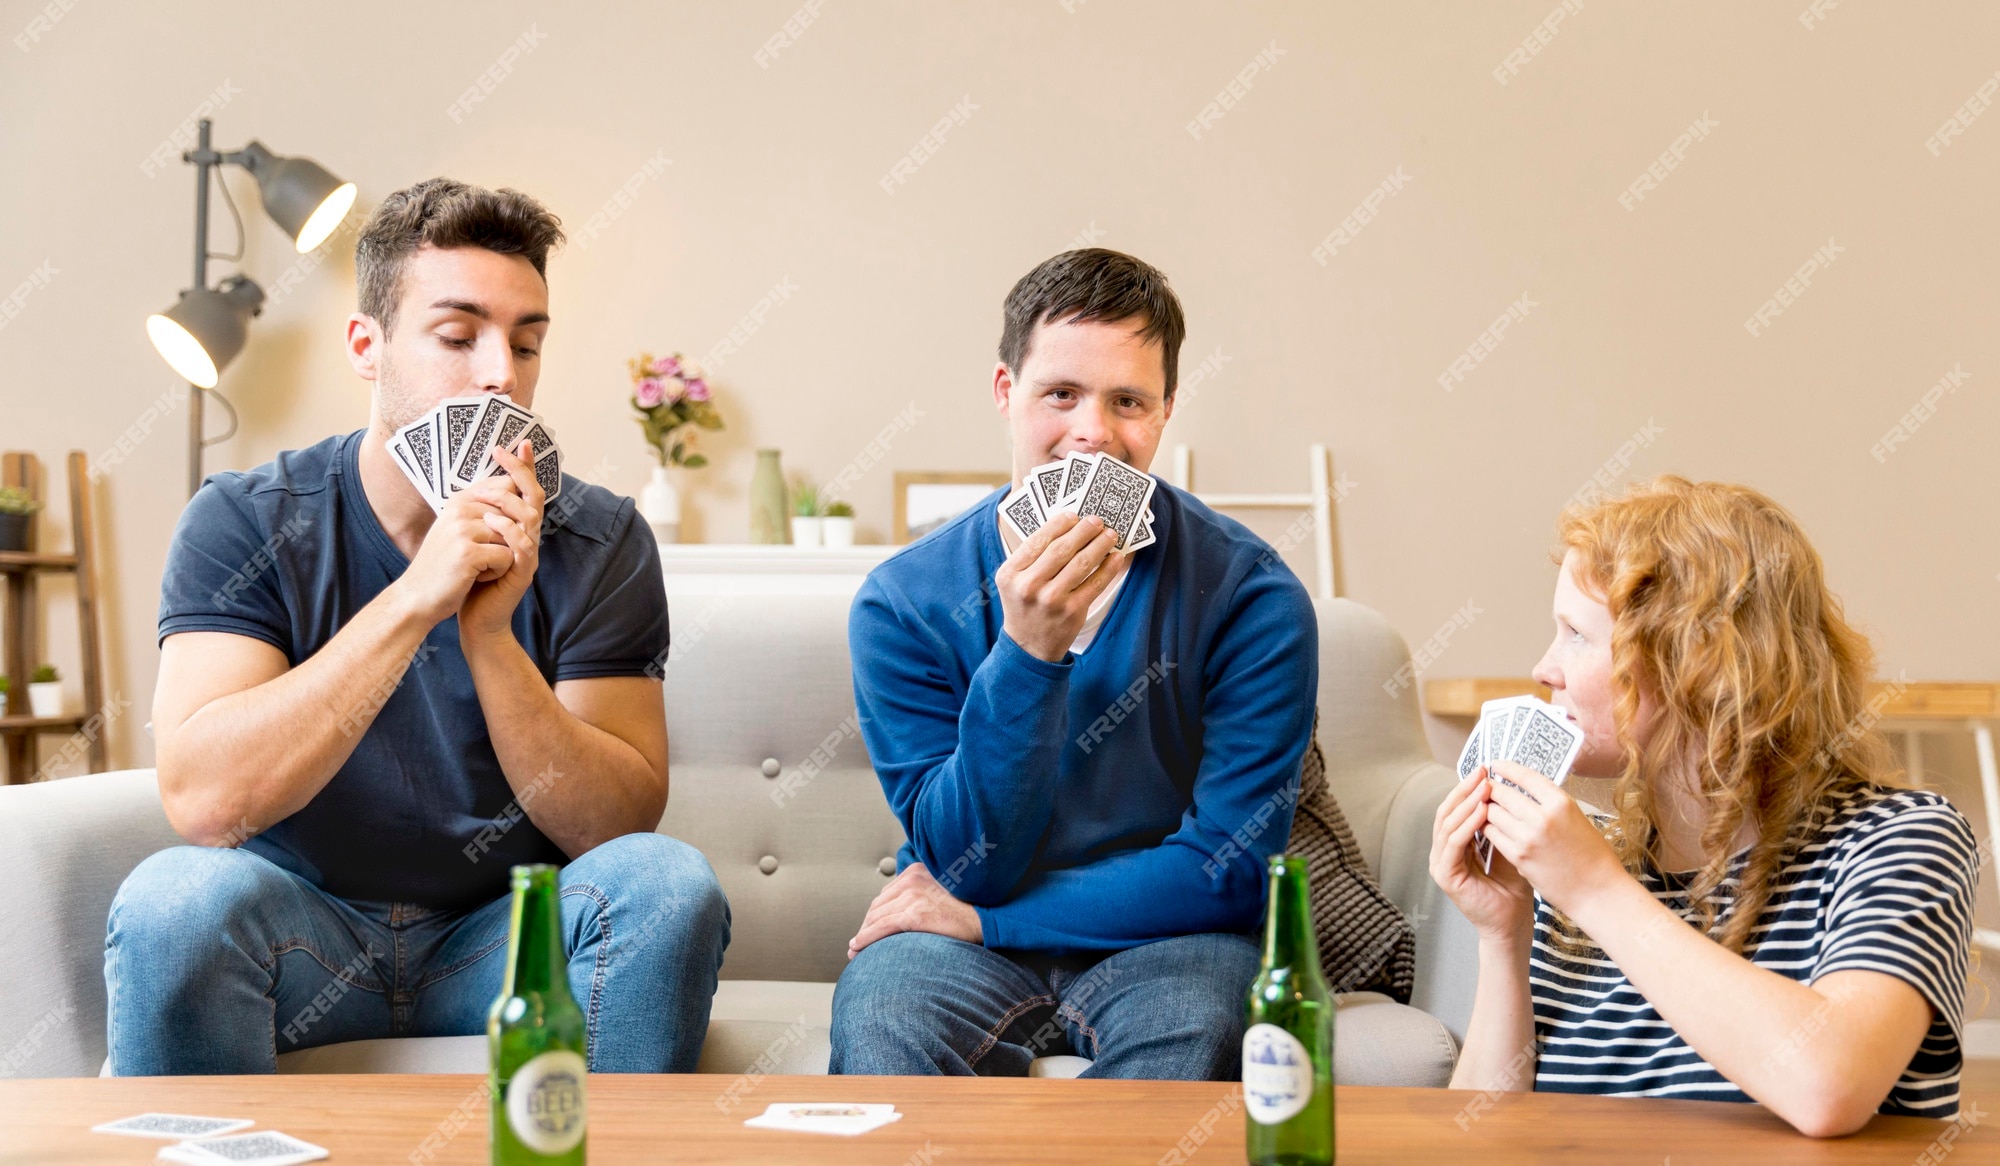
[916, 1003]
[216, 961]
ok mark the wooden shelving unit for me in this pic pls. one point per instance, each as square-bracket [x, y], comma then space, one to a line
[21, 572]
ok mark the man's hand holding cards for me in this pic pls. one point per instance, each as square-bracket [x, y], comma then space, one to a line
[1523, 730]
[1086, 485]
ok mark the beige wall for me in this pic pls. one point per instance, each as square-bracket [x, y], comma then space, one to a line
[1079, 131]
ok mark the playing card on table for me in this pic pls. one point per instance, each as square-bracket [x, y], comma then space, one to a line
[263, 1148]
[1119, 495]
[173, 1126]
[824, 1117]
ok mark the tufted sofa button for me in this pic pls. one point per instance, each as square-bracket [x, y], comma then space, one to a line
[768, 864]
[770, 767]
[887, 866]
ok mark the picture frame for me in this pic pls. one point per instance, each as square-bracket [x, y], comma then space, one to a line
[927, 499]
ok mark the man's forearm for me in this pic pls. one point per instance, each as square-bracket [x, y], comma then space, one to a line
[248, 760]
[578, 784]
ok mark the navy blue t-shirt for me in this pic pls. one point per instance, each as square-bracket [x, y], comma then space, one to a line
[288, 552]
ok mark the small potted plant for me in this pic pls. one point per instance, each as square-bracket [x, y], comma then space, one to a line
[6, 686]
[17, 511]
[45, 692]
[837, 527]
[806, 517]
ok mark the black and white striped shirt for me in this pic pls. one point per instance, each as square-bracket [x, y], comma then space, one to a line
[1886, 885]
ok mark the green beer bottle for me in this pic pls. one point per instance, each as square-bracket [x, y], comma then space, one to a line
[1288, 1034]
[535, 1036]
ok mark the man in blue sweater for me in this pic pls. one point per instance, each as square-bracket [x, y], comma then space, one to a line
[1092, 753]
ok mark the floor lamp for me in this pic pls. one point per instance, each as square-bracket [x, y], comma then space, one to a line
[207, 326]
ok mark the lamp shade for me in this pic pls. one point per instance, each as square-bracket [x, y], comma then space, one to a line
[300, 195]
[205, 330]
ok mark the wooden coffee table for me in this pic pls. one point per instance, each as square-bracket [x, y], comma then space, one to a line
[422, 1120]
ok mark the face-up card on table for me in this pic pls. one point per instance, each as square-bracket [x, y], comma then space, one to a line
[263, 1148]
[820, 1117]
[173, 1126]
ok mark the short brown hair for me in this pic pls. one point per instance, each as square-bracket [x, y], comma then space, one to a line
[442, 212]
[1094, 284]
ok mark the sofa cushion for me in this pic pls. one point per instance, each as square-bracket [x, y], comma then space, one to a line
[1364, 940]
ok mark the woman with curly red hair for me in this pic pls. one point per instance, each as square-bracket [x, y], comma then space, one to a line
[1764, 912]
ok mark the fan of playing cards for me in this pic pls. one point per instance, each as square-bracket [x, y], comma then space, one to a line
[451, 447]
[1526, 731]
[1086, 484]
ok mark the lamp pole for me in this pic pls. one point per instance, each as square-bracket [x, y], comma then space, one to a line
[202, 157]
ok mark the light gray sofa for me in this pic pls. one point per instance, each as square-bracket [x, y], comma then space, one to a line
[771, 782]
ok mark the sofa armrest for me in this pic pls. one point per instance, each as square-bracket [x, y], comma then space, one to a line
[69, 845]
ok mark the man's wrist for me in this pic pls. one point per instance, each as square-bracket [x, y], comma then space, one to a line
[405, 610]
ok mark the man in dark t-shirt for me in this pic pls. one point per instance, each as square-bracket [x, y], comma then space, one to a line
[367, 712]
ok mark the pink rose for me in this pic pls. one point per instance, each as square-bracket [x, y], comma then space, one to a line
[675, 388]
[651, 392]
[667, 366]
[697, 390]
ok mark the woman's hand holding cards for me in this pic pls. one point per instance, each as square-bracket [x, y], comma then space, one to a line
[1048, 584]
[1544, 835]
[1500, 905]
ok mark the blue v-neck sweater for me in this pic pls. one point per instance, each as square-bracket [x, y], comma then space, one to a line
[1128, 794]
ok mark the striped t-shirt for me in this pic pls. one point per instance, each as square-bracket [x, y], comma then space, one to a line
[1885, 885]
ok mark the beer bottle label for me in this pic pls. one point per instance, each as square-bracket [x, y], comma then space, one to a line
[545, 1102]
[1277, 1074]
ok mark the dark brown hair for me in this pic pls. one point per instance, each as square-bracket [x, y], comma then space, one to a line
[1094, 284]
[442, 212]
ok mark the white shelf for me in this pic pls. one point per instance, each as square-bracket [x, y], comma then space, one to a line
[756, 569]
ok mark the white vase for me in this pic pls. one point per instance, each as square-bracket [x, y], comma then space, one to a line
[660, 506]
[837, 530]
[805, 531]
[45, 699]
